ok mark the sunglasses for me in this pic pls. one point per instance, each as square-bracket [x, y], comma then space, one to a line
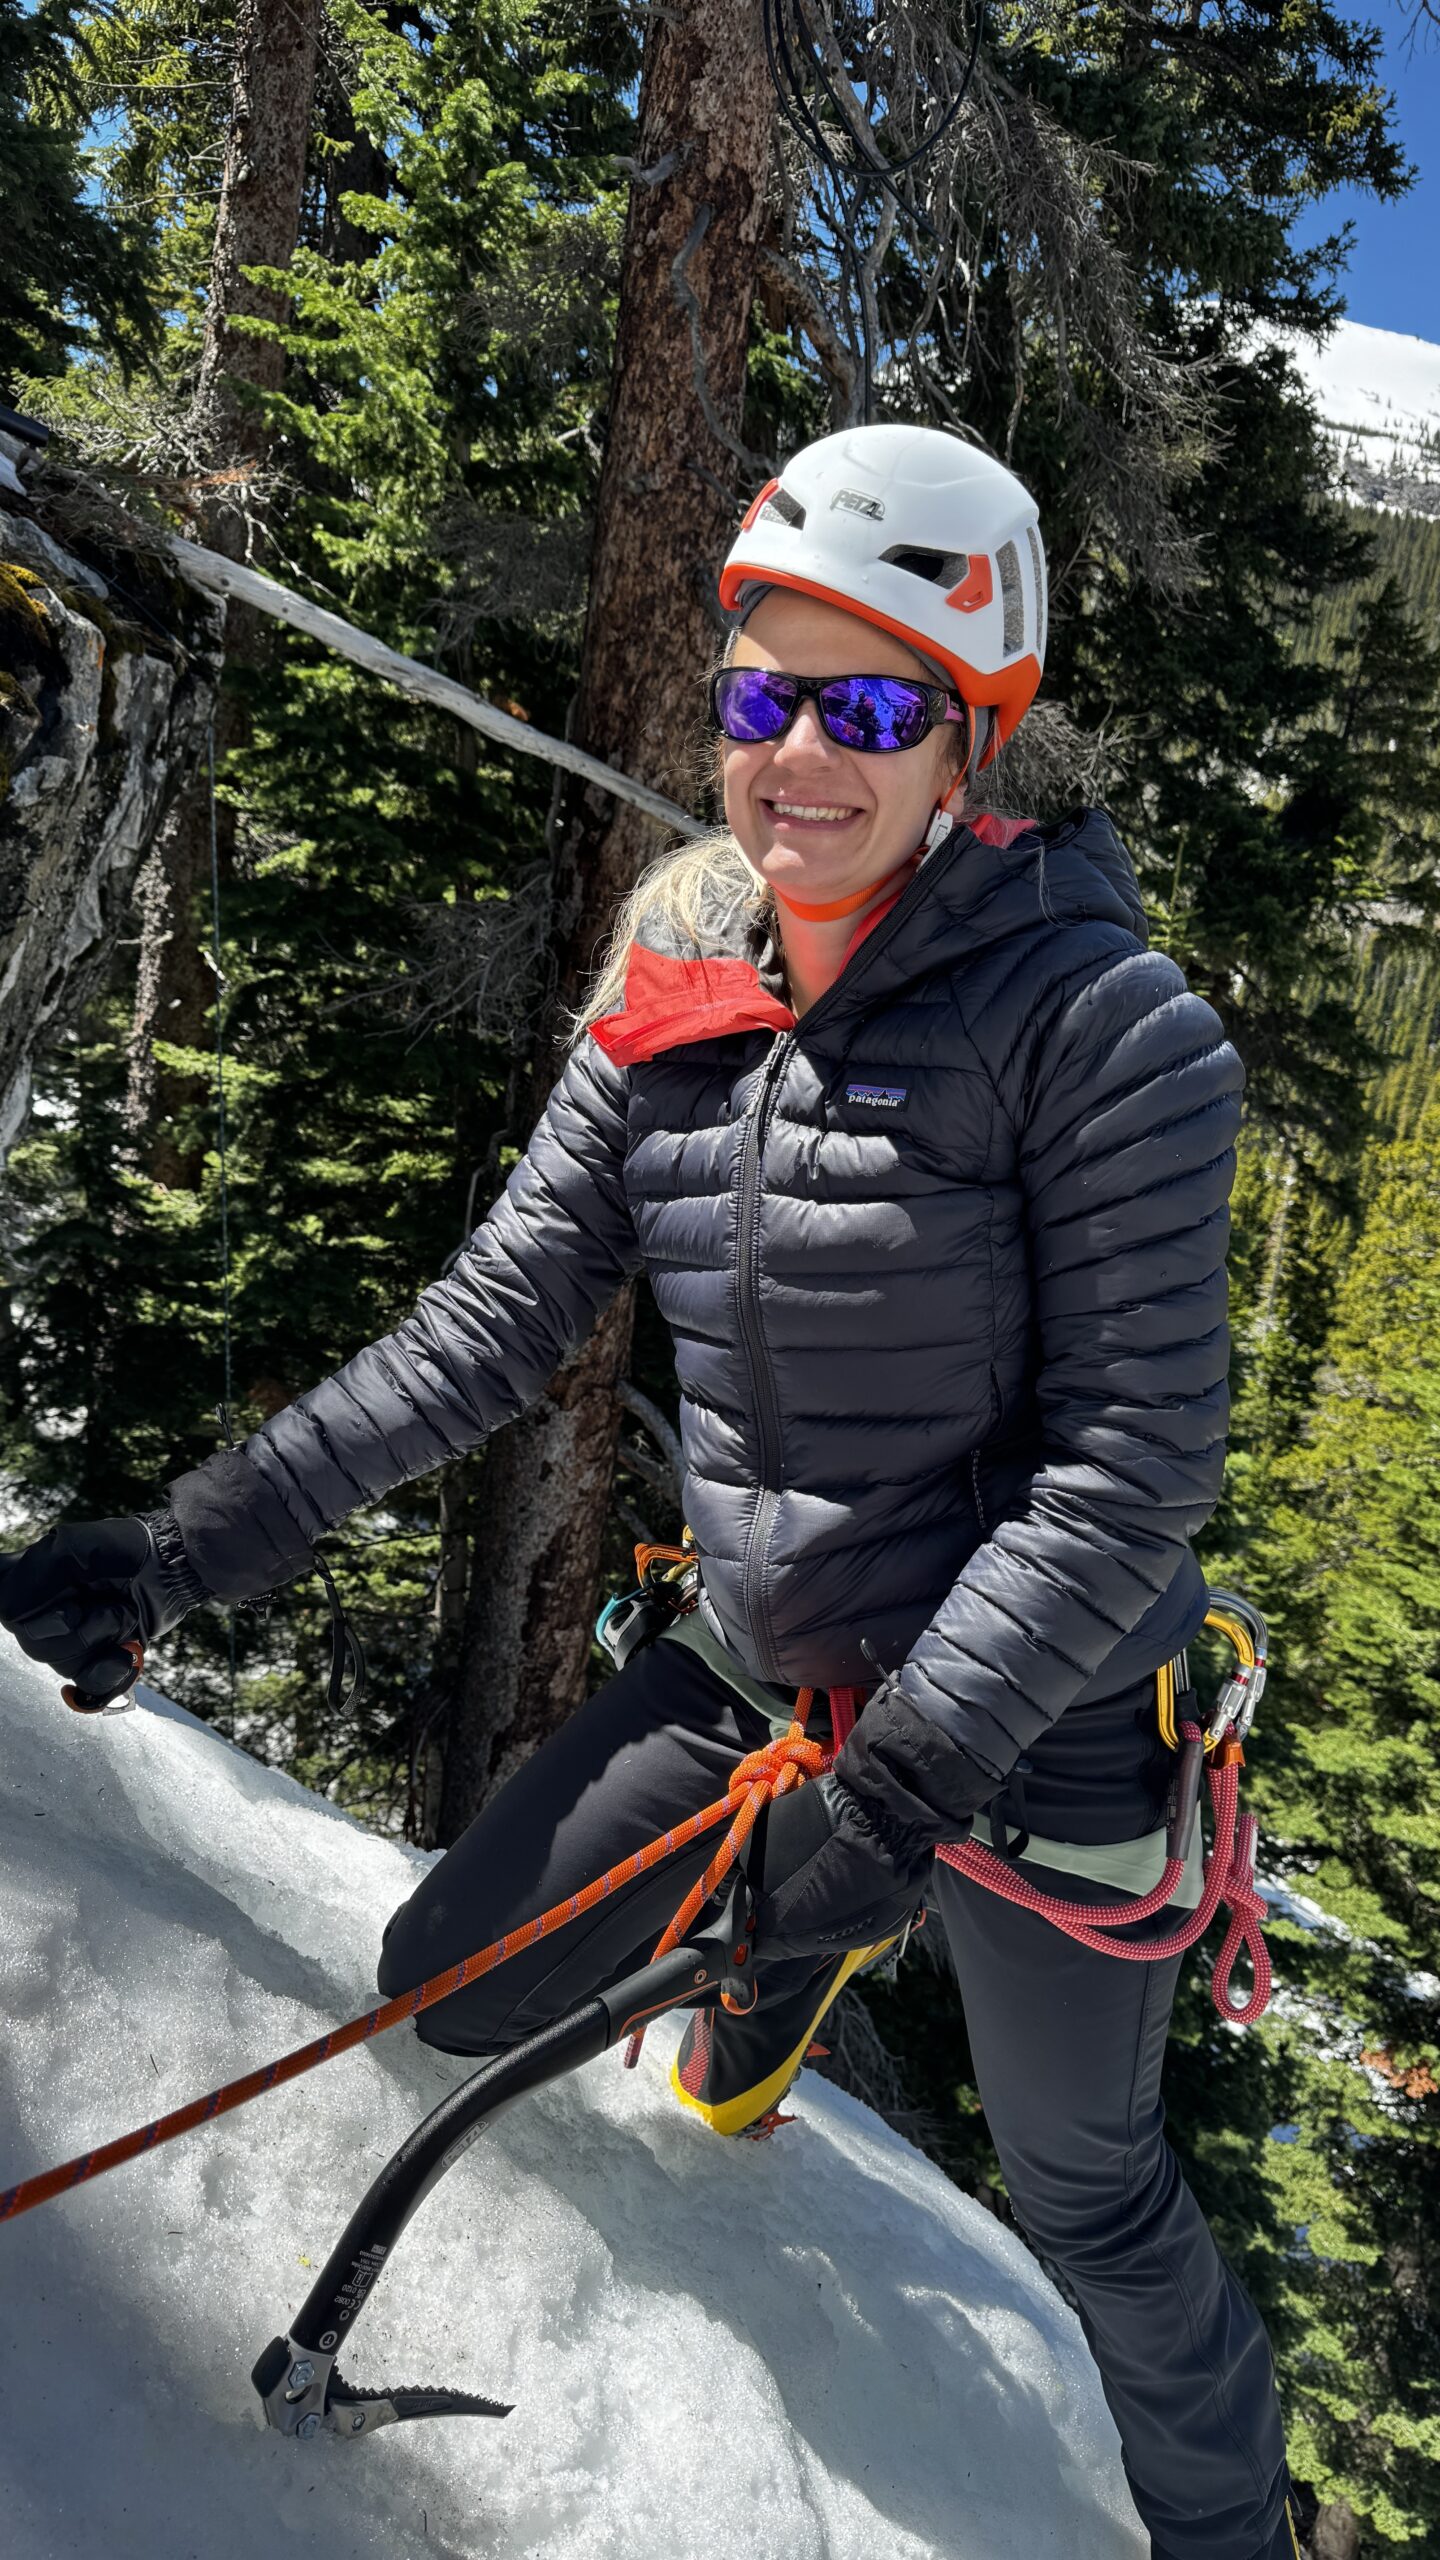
[876, 715]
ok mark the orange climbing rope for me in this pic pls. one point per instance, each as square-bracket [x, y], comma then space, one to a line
[780, 1765]
[771, 1771]
[765, 1773]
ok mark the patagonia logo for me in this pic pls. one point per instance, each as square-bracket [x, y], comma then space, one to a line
[881, 1097]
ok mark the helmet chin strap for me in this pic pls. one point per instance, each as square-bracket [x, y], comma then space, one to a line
[944, 820]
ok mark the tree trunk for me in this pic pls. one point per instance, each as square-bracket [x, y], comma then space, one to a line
[256, 224]
[435, 1700]
[174, 988]
[673, 476]
[1335, 2535]
[258, 219]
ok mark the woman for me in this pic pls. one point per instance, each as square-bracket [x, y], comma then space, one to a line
[927, 1158]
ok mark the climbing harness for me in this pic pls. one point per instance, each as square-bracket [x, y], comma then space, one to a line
[297, 2377]
[668, 1585]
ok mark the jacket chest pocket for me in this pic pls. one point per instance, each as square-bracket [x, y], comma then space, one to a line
[931, 1125]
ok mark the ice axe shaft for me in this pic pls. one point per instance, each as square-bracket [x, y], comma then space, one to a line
[296, 2377]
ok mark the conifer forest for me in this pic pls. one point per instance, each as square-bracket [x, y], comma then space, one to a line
[475, 326]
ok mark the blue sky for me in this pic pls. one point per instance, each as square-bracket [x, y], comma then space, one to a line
[1393, 278]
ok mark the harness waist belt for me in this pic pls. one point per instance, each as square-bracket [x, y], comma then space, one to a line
[1132, 1866]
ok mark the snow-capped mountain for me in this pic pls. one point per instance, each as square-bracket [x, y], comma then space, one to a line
[1378, 393]
[814, 2348]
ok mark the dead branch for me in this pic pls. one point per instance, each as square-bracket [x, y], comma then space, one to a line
[798, 296]
[661, 1431]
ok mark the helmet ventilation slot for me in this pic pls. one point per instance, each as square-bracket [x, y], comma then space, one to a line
[937, 568]
[1038, 565]
[1007, 562]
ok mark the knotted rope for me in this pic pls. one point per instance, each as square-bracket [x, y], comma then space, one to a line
[779, 1767]
[774, 1770]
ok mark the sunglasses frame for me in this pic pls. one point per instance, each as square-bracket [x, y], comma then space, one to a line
[940, 705]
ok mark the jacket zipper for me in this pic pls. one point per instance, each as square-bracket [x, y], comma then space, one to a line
[991, 1419]
[767, 1403]
[767, 1407]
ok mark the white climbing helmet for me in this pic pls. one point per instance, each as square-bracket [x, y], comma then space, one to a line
[919, 532]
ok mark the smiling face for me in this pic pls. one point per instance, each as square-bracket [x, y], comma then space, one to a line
[815, 819]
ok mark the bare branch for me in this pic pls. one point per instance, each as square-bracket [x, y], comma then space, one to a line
[1051, 762]
[662, 1432]
[643, 1462]
[225, 577]
[481, 961]
[629, 1518]
[1006, 183]
[685, 295]
[800, 298]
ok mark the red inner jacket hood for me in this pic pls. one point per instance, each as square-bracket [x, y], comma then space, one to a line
[671, 1001]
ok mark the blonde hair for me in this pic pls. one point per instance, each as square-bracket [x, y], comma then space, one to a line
[681, 902]
[684, 900]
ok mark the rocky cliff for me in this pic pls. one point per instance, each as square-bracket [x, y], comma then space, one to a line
[108, 667]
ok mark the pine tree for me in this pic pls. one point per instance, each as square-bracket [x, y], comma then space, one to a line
[69, 275]
[1345, 1786]
[465, 292]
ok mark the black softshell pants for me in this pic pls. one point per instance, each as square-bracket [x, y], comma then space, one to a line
[1068, 2047]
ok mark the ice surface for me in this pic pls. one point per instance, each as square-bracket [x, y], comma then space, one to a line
[813, 2348]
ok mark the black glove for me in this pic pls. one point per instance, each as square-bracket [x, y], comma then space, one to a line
[832, 1871]
[88, 1592]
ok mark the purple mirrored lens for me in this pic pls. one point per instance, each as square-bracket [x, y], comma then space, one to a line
[753, 703]
[875, 713]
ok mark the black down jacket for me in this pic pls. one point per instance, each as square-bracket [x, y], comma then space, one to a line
[944, 1265]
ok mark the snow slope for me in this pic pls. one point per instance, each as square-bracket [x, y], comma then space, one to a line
[813, 2348]
[1378, 393]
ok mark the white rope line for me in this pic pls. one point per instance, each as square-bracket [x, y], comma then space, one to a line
[222, 577]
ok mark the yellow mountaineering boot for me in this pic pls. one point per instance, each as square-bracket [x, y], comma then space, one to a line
[734, 2068]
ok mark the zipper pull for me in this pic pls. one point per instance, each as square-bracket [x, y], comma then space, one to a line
[766, 1077]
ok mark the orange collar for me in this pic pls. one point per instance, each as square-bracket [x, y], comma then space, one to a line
[811, 914]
